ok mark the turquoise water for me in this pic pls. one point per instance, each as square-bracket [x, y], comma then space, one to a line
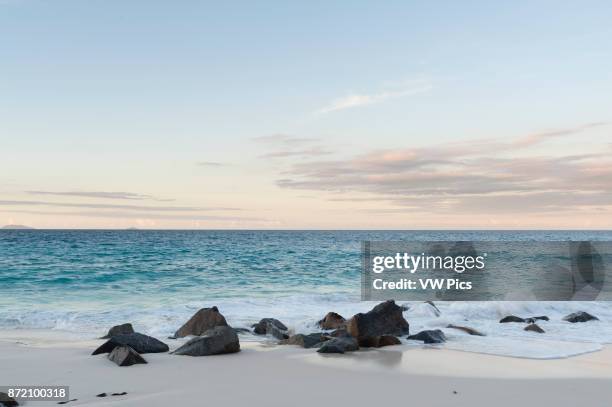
[82, 281]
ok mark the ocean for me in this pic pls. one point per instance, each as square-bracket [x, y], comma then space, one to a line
[84, 281]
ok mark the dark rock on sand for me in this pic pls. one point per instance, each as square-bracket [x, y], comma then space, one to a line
[7, 401]
[125, 356]
[137, 341]
[305, 341]
[123, 393]
[271, 326]
[429, 336]
[388, 340]
[332, 321]
[339, 333]
[101, 395]
[378, 341]
[215, 341]
[339, 345]
[511, 318]
[67, 401]
[534, 328]
[200, 322]
[466, 329]
[580, 316]
[384, 319]
[242, 330]
[119, 330]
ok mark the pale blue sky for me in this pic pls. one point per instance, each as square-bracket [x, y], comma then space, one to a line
[130, 96]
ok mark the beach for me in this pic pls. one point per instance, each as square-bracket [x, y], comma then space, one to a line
[267, 375]
[62, 290]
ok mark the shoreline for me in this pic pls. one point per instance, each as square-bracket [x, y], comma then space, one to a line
[265, 374]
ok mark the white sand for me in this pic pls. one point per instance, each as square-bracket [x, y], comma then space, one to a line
[263, 375]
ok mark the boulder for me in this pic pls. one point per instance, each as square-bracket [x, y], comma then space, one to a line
[511, 318]
[215, 341]
[534, 328]
[388, 340]
[332, 321]
[7, 401]
[305, 341]
[378, 341]
[466, 329]
[241, 330]
[119, 330]
[384, 319]
[429, 336]
[200, 322]
[271, 326]
[580, 316]
[125, 356]
[339, 345]
[137, 341]
[532, 320]
[338, 333]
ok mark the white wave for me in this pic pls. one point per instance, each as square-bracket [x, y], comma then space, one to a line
[301, 313]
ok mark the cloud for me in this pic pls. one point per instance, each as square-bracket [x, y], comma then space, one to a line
[310, 152]
[357, 100]
[152, 208]
[136, 215]
[283, 146]
[480, 176]
[100, 194]
[211, 164]
[283, 139]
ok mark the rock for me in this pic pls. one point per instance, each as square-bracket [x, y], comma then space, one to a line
[271, 326]
[119, 330]
[339, 333]
[305, 341]
[137, 341]
[511, 318]
[101, 395]
[532, 320]
[215, 341]
[242, 330]
[332, 321]
[534, 328]
[378, 341]
[384, 319]
[580, 316]
[200, 322]
[466, 329]
[123, 393]
[125, 356]
[388, 340]
[7, 401]
[429, 336]
[339, 345]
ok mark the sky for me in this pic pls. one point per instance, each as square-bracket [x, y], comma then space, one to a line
[306, 115]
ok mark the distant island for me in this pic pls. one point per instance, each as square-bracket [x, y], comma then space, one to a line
[17, 227]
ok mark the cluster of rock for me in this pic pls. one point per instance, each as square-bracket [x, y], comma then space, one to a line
[532, 326]
[211, 334]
